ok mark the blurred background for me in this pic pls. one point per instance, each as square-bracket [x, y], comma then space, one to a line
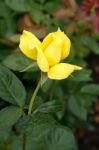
[79, 19]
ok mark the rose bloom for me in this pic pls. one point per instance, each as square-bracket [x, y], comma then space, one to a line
[48, 54]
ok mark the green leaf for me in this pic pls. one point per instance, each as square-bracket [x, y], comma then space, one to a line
[78, 106]
[32, 67]
[51, 6]
[92, 89]
[58, 92]
[37, 15]
[41, 129]
[17, 5]
[7, 27]
[5, 50]
[50, 107]
[72, 87]
[82, 75]
[36, 124]
[17, 143]
[80, 61]
[47, 86]
[60, 138]
[11, 88]
[88, 100]
[9, 140]
[5, 11]
[4, 135]
[9, 116]
[37, 103]
[91, 43]
[18, 62]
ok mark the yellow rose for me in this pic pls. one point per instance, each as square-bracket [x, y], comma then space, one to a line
[49, 53]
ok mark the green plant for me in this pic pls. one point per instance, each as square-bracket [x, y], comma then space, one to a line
[60, 106]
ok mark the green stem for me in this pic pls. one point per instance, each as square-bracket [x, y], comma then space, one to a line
[33, 97]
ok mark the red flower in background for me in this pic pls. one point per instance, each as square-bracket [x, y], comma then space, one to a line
[88, 12]
[90, 5]
[95, 22]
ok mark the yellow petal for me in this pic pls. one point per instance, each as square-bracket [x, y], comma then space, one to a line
[61, 38]
[52, 47]
[50, 38]
[42, 61]
[65, 43]
[53, 53]
[47, 40]
[29, 44]
[61, 71]
[78, 68]
[66, 47]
